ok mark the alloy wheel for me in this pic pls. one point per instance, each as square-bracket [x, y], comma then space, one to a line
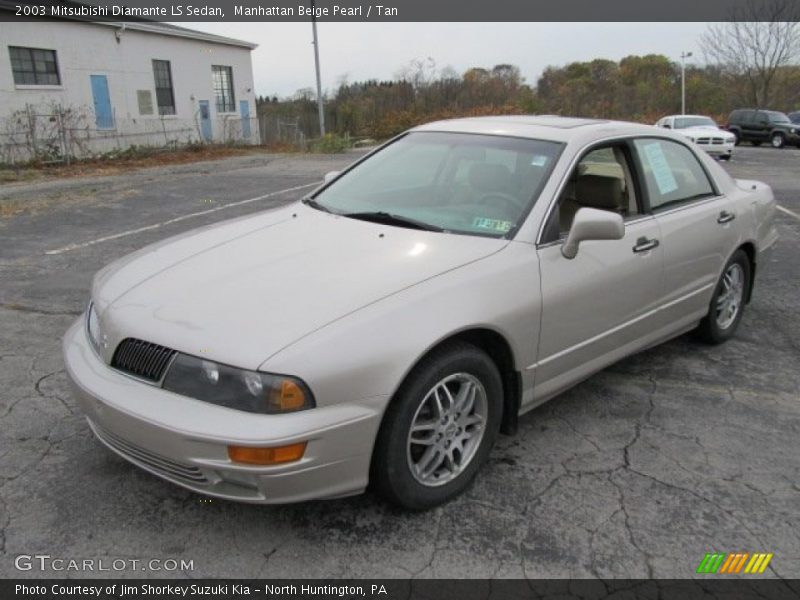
[447, 429]
[729, 300]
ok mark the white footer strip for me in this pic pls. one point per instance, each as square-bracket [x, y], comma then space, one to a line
[115, 236]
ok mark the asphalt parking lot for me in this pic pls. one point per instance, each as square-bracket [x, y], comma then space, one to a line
[680, 450]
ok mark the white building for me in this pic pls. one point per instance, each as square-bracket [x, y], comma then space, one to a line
[77, 88]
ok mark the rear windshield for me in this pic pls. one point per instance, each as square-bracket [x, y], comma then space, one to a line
[778, 117]
[457, 182]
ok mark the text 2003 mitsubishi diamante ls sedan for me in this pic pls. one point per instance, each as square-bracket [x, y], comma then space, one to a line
[384, 329]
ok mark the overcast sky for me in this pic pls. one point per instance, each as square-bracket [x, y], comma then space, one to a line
[284, 60]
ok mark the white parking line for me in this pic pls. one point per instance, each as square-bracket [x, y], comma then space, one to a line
[116, 236]
[791, 213]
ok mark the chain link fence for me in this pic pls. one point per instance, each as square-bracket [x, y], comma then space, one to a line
[58, 134]
[282, 130]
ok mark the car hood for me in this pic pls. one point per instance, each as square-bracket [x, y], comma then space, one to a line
[242, 290]
[698, 129]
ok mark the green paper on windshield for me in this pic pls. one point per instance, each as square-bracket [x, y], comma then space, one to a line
[492, 224]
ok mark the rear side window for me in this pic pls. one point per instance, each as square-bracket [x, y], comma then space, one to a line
[672, 173]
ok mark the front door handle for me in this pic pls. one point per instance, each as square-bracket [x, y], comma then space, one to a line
[725, 217]
[643, 245]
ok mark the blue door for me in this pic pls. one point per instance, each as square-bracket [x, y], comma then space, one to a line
[244, 108]
[103, 115]
[205, 120]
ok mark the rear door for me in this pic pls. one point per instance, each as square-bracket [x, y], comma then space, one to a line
[695, 223]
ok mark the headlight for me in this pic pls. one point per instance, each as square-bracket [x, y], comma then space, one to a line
[93, 327]
[793, 130]
[250, 391]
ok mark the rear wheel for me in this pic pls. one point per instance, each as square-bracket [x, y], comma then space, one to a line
[439, 428]
[777, 140]
[727, 303]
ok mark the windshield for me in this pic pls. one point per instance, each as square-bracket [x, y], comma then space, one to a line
[454, 182]
[684, 122]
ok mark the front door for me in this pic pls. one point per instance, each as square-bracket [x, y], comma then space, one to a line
[205, 120]
[103, 114]
[244, 109]
[600, 305]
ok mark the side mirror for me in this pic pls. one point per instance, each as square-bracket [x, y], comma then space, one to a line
[330, 175]
[667, 126]
[592, 224]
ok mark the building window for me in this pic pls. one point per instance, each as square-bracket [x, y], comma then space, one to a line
[223, 88]
[164, 94]
[34, 66]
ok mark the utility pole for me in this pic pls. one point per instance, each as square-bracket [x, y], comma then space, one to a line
[684, 56]
[316, 64]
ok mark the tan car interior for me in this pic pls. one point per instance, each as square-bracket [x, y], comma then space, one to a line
[601, 180]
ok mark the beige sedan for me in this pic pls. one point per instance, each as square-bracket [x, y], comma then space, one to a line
[386, 328]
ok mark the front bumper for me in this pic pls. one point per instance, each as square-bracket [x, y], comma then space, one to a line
[724, 149]
[185, 440]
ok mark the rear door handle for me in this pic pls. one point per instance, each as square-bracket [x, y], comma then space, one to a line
[725, 217]
[643, 245]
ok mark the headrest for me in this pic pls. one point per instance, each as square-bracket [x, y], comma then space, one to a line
[490, 178]
[597, 191]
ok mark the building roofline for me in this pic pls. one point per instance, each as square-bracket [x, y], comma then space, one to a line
[175, 31]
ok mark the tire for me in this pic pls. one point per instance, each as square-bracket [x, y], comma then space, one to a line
[777, 140]
[416, 471]
[719, 325]
[725, 157]
[737, 139]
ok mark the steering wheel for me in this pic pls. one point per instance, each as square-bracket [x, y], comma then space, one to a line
[510, 201]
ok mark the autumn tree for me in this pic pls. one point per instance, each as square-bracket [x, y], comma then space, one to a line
[762, 37]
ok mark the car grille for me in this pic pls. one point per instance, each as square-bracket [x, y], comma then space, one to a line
[717, 141]
[142, 359]
[165, 466]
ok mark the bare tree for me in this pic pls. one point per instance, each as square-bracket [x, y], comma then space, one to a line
[761, 37]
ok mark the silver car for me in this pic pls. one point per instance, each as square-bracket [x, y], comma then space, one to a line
[387, 327]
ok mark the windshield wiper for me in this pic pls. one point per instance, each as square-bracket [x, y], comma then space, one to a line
[314, 204]
[392, 219]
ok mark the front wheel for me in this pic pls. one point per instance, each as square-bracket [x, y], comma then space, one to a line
[439, 428]
[777, 140]
[727, 303]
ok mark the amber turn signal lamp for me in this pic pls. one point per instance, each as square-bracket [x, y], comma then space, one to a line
[287, 396]
[267, 456]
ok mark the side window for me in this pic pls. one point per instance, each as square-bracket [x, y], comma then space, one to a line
[672, 173]
[602, 179]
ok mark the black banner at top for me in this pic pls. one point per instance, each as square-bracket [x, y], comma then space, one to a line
[405, 10]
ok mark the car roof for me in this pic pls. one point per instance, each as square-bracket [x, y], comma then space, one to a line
[687, 117]
[542, 127]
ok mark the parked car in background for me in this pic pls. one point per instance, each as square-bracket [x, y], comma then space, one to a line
[384, 329]
[794, 117]
[704, 132]
[760, 126]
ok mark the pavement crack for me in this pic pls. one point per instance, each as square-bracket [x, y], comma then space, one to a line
[434, 548]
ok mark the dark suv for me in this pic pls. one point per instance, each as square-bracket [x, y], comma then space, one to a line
[757, 126]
